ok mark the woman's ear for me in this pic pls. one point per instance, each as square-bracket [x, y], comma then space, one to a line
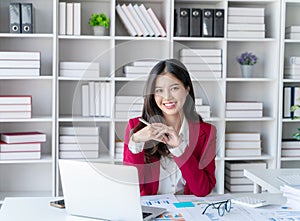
[187, 90]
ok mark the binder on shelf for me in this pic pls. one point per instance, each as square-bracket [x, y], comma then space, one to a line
[77, 18]
[207, 22]
[62, 18]
[129, 27]
[15, 18]
[195, 22]
[27, 18]
[182, 22]
[218, 23]
[70, 17]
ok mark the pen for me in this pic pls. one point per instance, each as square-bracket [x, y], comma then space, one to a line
[143, 121]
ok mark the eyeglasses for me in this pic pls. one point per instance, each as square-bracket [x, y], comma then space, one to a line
[221, 206]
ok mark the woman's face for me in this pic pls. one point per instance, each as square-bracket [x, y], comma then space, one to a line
[170, 94]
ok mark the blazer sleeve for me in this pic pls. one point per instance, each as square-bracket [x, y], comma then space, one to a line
[197, 164]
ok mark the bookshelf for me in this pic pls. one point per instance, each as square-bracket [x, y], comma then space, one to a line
[57, 100]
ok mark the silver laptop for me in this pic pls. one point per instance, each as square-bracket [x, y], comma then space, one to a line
[103, 191]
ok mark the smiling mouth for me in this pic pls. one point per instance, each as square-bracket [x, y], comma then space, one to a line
[170, 105]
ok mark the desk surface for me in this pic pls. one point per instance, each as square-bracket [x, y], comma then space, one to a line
[267, 178]
[38, 208]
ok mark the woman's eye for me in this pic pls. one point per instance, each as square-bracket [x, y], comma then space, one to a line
[158, 91]
[174, 88]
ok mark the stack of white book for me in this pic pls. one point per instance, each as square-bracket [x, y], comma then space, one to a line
[292, 68]
[202, 63]
[235, 181]
[290, 148]
[79, 69]
[242, 144]
[292, 32]
[15, 106]
[203, 110]
[140, 21]
[246, 22]
[78, 142]
[128, 106]
[21, 145]
[96, 99]
[119, 150]
[20, 63]
[292, 194]
[139, 69]
[69, 18]
[250, 109]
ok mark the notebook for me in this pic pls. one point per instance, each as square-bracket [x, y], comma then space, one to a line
[103, 191]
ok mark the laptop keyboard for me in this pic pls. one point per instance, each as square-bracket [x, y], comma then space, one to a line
[146, 214]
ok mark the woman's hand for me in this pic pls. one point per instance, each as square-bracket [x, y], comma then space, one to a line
[167, 134]
[149, 132]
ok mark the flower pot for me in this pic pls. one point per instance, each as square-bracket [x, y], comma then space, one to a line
[99, 30]
[247, 71]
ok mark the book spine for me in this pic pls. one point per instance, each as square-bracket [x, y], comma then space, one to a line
[129, 27]
[19, 55]
[138, 20]
[150, 21]
[246, 11]
[73, 65]
[34, 64]
[132, 21]
[97, 99]
[85, 103]
[246, 19]
[77, 18]
[70, 19]
[62, 18]
[19, 72]
[144, 20]
[157, 22]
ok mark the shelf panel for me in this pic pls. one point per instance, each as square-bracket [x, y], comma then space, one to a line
[197, 39]
[85, 37]
[290, 159]
[124, 79]
[11, 35]
[84, 79]
[34, 119]
[251, 39]
[290, 120]
[130, 38]
[45, 159]
[262, 157]
[26, 78]
[291, 80]
[251, 119]
[84, 119]
[250, 79]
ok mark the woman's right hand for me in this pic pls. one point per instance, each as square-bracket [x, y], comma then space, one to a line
[149, 132]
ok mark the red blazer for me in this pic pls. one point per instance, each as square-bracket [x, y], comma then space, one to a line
[197, 163]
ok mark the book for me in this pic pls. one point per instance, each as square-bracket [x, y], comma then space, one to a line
[234, 173]
[207, 22]
[129, 27]
[15, 99]
[242, 19]
[202, 108]
[243, 144]
[20, 55]
[246, 11]
[239, 188]
[77, 18]
[244, 113]
[144, 20]
[204, 67]
[20, 72]
[79, 131]
[242, 136]
[79, 139]
[200, 52]
[132, 20]
[195, 17]
[79, 73]
[244, 105]
[62, 18]
[13, 147]
[15, 17]
[15, 115]
[14, 107]
[290, 143]
[137, 69]
[78, 147]
[138, 20]
[79, 65]
[145, 63]
[242, 152]
[245, 27]
[183, 22]
[245, 34]
[70, 19]
[26, 18]
[149, 20]
[22, 155]
[201, 60]
[85, 100]
[23, 137]
[245, 165]
[103, 99]
[157, 22]
[129, 99]
[238, 180]
[92, 98]
[14, 64]
[205, 74]
[292, 28]
[107, 99]
[292, 35]
[293, 152]
[97, 99]
[78, 154]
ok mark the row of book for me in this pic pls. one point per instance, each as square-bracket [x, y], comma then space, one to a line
[292, 32]
[202, 63]
[290, 148]
[20, 17]
[246, 22]
[128, 106]
[291, 97]
[119, 150]
[235, 181]
[292, 67]
[78, 142]
[236, 109]
[242, 144]
[69, 18]
[96, 99]
[15, 106]
[21, 145]
[79, 69]
[139, 69]
[20, 63]
[196, 22]
[203, 110]
[140, 21]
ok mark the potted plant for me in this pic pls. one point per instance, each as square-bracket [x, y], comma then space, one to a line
[293, 109]
[247, 61]
[99, 22]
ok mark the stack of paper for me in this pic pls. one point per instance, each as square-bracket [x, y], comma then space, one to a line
[19, 63]
[128, 106]
[236, 109]
[235, 181]
[290, 148]
[15, 106]
[242, 144]
[292, 32]
[21, 145]
[78, 142]
[202, 63]
[139, 69]
[292, 194]
[292, 67]
[246, 22]
[79, 69]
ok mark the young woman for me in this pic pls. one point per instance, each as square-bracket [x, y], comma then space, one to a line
[174, 150]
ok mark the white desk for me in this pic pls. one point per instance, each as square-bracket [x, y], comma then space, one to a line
[38, 208]
[267, 178]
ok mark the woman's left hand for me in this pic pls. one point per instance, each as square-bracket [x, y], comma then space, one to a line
[168, 134]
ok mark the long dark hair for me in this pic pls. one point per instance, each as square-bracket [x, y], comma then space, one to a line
[152, 113]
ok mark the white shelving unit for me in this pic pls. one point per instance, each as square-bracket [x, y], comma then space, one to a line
[289, 47]
[57, 100]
